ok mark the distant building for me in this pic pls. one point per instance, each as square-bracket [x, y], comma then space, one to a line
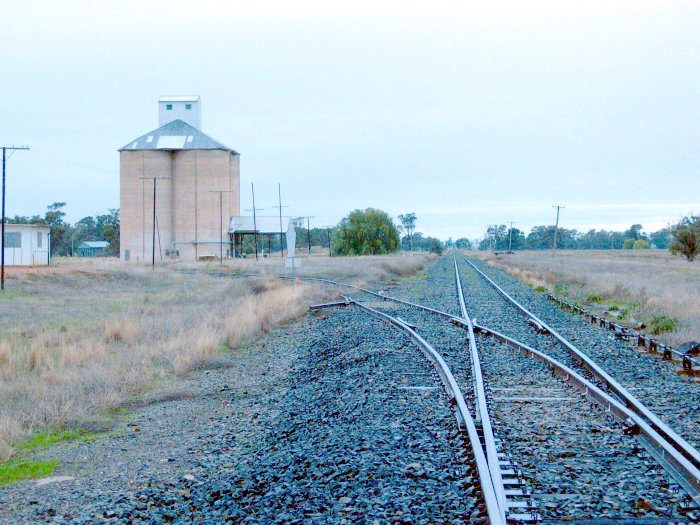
[27, 244]
[92, 248]
[190, 170]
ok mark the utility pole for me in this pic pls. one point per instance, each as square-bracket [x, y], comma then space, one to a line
[2, 242]
[556, 227]
[308, 230]
[328, 233]
[279, 195]
[221, 222]
[255, 220]
[153, 239]
[510, 237]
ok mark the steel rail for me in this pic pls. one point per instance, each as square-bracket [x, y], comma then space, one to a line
[684, 471]
[680, 468]
[493, 509]
[680, 444]
[482, 408]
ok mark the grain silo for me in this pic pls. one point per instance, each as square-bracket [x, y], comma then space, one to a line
[190, 180]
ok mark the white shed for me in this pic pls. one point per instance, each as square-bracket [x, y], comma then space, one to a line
[27, 244]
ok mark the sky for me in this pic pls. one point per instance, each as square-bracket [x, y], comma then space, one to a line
[465, 113]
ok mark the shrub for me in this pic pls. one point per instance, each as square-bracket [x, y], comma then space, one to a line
[540, 289]
[628, 244]
[640, 244]
[594, 298]
[663, 323]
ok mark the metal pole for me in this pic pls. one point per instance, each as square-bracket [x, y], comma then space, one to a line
[221, 227]
[510, 238]
[308, 230]
[279, 195]
[328, 231]
[556, 227]
[2, 233]
[255, 221]
[153, 240]
[2, 264]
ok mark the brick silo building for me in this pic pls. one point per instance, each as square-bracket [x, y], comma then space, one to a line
[197, 188]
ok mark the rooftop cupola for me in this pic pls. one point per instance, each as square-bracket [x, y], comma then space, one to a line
[187, 108]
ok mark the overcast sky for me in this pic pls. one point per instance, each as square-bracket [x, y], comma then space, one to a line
[465, 113]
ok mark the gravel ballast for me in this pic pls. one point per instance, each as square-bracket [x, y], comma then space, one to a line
[335, 419]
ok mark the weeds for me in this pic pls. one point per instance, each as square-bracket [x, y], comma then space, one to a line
[663, 323]
[13, 471]
[594, 298]
[644, 284]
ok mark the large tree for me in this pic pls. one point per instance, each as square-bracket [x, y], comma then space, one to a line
[368, 232]
[687, 237]
[408, 222]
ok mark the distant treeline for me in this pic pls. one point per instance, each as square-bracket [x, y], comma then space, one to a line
[66, 237]
[542, 238]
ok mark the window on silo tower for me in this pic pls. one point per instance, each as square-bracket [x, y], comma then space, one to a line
[188, 106]
[168, 107]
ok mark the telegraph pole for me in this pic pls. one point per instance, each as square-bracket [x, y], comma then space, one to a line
[2, 242]
[153, 239]
[255, 220]
[279, 195]
[556, 227]
[328, 233]
[221, 222]
[308, 229]
[510, 238]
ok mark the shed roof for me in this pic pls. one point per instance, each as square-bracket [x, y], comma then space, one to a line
[175, 135]
[23, 225]
[93, 244]
[262, 224]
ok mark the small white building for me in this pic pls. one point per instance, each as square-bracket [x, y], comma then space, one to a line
[27, 244]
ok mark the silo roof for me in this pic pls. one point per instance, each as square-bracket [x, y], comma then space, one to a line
[175, 135]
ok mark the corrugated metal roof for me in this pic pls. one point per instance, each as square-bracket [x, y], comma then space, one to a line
[263, 224]
[179, 98]
[93, 244]
[175, 135]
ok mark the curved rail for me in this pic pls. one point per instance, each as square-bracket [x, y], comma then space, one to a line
[491, 502]
[680, 444]
[482, 408]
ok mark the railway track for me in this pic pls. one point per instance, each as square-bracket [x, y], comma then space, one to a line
[612, 443]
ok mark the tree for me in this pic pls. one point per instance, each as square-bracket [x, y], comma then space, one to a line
[435, 246]
[628, 244]
[640, 244]
[408, 222]
[368, 232]
[687, 235]
[661, 239]
[107, 228]
[463, 244]
[60, 231]
[634, 232]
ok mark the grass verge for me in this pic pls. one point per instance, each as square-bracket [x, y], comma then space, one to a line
[651, 288]
[81, 340]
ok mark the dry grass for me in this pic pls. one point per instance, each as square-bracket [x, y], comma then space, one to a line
[647, 284]
[88, 336]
